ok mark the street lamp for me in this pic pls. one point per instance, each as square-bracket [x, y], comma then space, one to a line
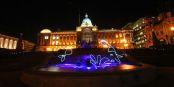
[172, 28]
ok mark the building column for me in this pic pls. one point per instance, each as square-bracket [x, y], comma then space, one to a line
[15, 44]
[10, 44]
[6, 43]
[1, 42]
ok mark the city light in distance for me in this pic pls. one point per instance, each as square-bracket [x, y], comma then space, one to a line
[127, 67]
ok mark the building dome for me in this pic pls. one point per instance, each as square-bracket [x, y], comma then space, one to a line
[45, 31]
[86, 22]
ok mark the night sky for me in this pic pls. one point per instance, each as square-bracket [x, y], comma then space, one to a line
[29, 17]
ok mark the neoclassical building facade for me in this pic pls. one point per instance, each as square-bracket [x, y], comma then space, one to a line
[85, 35]
[12, 43]
[8, 42]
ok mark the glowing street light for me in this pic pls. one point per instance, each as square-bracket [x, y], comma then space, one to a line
[172, 28]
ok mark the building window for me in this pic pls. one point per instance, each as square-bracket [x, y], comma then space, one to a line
[53, 43]
[140, 27]
[137, 25]
[136, 42]
[116, 36]
[57, 42]
[138, 38]
[46, 37]
[144, 35]
[141, 33]
[140, 46]
[57, 37]
[142, 41]
[120, 35]
[54, 37]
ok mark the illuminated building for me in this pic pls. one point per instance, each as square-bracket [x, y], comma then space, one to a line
[8, 42]
[141, 28]
[86, 35]
[160, 27]
[164, 30]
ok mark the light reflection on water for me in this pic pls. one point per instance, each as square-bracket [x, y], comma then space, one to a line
[84, 68]
[83, 60]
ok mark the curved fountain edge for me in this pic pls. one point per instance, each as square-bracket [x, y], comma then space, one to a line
[92, 79]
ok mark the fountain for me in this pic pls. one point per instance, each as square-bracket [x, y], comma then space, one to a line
[90, 67]
[89, 60]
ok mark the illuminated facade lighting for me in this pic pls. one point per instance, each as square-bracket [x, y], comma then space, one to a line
[126, 45]
[105, 46]
[161, 26]
[45, 31]
[54, 37]
[116, 36]
[8, 42]
[53, 42]
[57, 42]
[84, 34]
[57, 37]
[48, 49]
[46, 37]
[120, 35]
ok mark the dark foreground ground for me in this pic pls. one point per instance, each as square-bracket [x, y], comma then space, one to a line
[11, 67]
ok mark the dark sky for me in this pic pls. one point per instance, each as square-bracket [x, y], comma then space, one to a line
[29, 17]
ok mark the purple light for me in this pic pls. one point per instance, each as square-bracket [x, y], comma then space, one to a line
[84, 67]
[89, 61]
[68, 64]
[88, 68]
[108, 63]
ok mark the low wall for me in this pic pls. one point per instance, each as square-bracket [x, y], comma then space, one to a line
[116, 79]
